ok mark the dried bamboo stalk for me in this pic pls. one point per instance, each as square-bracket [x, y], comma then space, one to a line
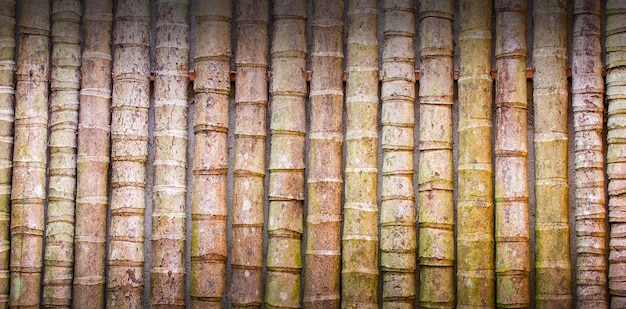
[475, 242]
[398, 243]
[511, 150]
[249, 169]
[435, 200]
[129, 152]
[167, 274]
[209, 206]
[588, 107]
[324, 181]
[29, 155]
[359, 274]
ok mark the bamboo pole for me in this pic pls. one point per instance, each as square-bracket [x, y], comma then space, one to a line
[588, 107]
[249, 168]
[511, 150]
[129, 152]
[359, 274]
[436, 205]
[324, 182]
[288, 90]
[29, 155]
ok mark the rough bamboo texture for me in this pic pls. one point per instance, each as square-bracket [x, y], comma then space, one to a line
[129, 152]
[324, 181]
[588, 109]
[29, 156]
[511, 151]
[359, 274]
[167, 274]
[475, 238]
[249, 168]
[7, 100]
[398, 240]
[288, 91]
[616, 152]
[436, 202]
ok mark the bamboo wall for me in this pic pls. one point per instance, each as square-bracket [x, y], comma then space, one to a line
[312, 153]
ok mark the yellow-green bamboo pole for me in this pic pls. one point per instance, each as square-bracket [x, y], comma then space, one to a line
[288, 90]
[324, 181]
[588, 107]
[398, 243]
[359, 274]
[511, 150]
[475, 240]
[129, 152]
[209, 205]
[29, 156]
[249, 168]
[167, 274]
[436, 202]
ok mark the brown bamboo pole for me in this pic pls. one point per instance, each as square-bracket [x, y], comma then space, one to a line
[359, 274]
[167, 274]
[209, 205]
[29, 155]
[588, 107]
[288, 90]
[398, 243]
[436, 205]
[475, 239]
[616, 152]
[249, 168]
[129, 152]
[511, 150]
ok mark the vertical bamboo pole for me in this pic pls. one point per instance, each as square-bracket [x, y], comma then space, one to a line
[129, 152]
[249, 169]
[398, 241]
[511, 148]
[167, 274]
[588, 106]
[29, 155]
[359, 275]
[288, 90]
[475, 243]
[436, 202]
[209, 206]
[324, 182]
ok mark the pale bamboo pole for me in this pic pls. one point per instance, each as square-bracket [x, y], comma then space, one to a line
[359, 274]
[398, 243]
[29, 156]
[511, 150]
[129, 152]
[249, 168]
[288, 90]
[209, 205]
[324, 181]
[436, 202]
[475, 242]
[588, 107]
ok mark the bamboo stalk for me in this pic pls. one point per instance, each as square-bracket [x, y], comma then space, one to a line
[511, 150]
[64, 85]
[588, 106]
[129, 152]
[436, 205]
[475, 242]
[398, 241]
[359, 274]
[29, 156]
[209, 206]
[324, 181]
[288, 90]
[249, 169]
